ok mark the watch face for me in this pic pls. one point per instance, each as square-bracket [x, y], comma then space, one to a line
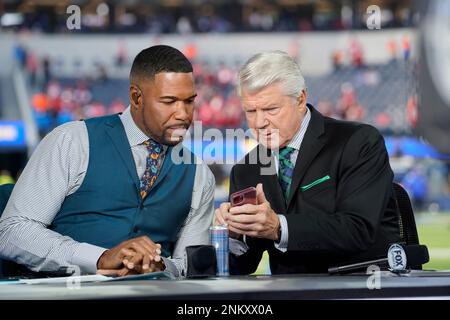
[436, 38]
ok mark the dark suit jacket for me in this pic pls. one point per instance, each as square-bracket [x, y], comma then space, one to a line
[350, 217]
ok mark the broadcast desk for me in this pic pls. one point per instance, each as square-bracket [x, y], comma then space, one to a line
[419, 284]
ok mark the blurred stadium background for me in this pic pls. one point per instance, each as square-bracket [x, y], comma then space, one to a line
[51, 74]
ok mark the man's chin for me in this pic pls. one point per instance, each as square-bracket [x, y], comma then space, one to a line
[173, 140]
[270, 143]
[174, 136]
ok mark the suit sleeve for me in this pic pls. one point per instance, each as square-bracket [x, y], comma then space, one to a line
[364, 183]
[246, 263]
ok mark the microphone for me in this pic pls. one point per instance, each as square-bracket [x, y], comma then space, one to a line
[399, 258]
[201, 261]
[407, 257]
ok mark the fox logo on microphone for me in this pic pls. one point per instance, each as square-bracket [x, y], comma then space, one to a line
[397, 257]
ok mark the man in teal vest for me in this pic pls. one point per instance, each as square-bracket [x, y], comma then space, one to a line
[106, 194]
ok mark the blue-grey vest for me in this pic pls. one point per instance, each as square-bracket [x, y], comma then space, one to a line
[107, 208]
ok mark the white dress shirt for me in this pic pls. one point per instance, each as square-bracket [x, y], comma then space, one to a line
[56, 170]
[238, 247]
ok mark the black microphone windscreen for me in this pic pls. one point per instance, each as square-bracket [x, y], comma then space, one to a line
[416, 255]
[201, 261]
[203, 258]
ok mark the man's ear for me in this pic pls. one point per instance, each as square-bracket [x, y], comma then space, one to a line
[302, 99]
[135, 95]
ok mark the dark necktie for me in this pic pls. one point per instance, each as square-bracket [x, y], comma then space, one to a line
[286, 170]
[152, 167]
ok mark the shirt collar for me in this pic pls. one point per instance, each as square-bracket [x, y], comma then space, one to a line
[296, 141]
[134, 134]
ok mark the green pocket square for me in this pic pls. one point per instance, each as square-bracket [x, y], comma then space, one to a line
[314, 183]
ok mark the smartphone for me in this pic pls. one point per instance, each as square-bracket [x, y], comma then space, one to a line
[245, 196]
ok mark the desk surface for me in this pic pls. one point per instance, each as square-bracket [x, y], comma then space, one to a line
[286, 287]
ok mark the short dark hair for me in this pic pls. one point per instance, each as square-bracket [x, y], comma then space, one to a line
[156, 59]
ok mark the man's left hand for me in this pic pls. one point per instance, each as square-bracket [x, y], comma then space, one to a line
[258, 221]
[153, 266]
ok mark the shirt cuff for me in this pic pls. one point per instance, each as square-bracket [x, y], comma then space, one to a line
[86, 257]
[172, 266]
[283, 244]
[237, 247]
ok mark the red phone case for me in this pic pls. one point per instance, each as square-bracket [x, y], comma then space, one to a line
[245, 196]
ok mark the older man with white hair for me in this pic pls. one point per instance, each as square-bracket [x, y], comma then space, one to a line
[326, 199]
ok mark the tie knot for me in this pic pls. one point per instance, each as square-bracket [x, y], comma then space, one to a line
[153, 146]
[285, 152]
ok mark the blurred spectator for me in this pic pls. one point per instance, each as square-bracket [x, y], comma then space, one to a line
[184, 25]
[325, 108]
[267, 21]
[383, 120]
[338, 58]
[233, 111]
[117, 106]
[392, 49]
[254, 19]
[205, 113]
[305, 25]
[348, 108]
[121, 57]
[46, 72]
[412, 111]
[225, 78]
[219, 16]
[217, 104]
[406, 48]
[40, 102]
[190, 51]
[94, 109]
[416, 183]
[31, 67]
[54, 102]
[346, 100]
[356, 54]
[82, 93]
[354, 112]
[102, 73]
[20, 54]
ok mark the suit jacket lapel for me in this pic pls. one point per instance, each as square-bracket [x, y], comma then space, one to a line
[312, 143]
[116, 132]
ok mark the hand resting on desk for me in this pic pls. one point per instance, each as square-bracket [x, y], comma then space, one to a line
[134, 256]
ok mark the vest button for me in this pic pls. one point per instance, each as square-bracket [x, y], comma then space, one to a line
[135, 229]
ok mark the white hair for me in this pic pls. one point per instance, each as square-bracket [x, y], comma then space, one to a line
[267, 68]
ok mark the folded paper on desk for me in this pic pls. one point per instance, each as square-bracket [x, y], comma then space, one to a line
[161, 275]
[92, 278]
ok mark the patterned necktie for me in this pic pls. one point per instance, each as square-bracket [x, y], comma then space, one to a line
[286, 170]
[151, 170]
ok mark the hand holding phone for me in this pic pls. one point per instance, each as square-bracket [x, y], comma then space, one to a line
[245, 196]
